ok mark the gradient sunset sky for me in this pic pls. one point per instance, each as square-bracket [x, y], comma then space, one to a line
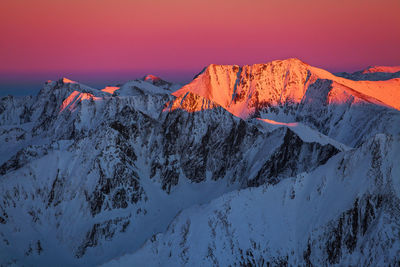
[101, 42]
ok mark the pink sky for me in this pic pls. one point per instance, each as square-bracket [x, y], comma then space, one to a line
[145, 35]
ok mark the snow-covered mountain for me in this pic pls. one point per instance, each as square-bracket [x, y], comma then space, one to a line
[293, 91]
[373, 73]
[279, 163]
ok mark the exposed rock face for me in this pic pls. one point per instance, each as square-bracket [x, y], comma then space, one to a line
[345, 212]
[292, 157]
[89, 175]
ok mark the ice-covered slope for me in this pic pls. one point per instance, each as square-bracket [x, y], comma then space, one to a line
[385, 92]
[304, 132]
[345, 212]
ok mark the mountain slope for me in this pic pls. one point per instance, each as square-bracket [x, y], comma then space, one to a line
[346, 212]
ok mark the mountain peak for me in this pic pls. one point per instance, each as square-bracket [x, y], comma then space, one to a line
[110, 89]
[386, 69]
[66, 80]
[288, 61]
[151, 78]
[292, 60]
[238, 88]
[157, 81]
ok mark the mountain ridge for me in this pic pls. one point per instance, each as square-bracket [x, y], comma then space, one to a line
[224, 92]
